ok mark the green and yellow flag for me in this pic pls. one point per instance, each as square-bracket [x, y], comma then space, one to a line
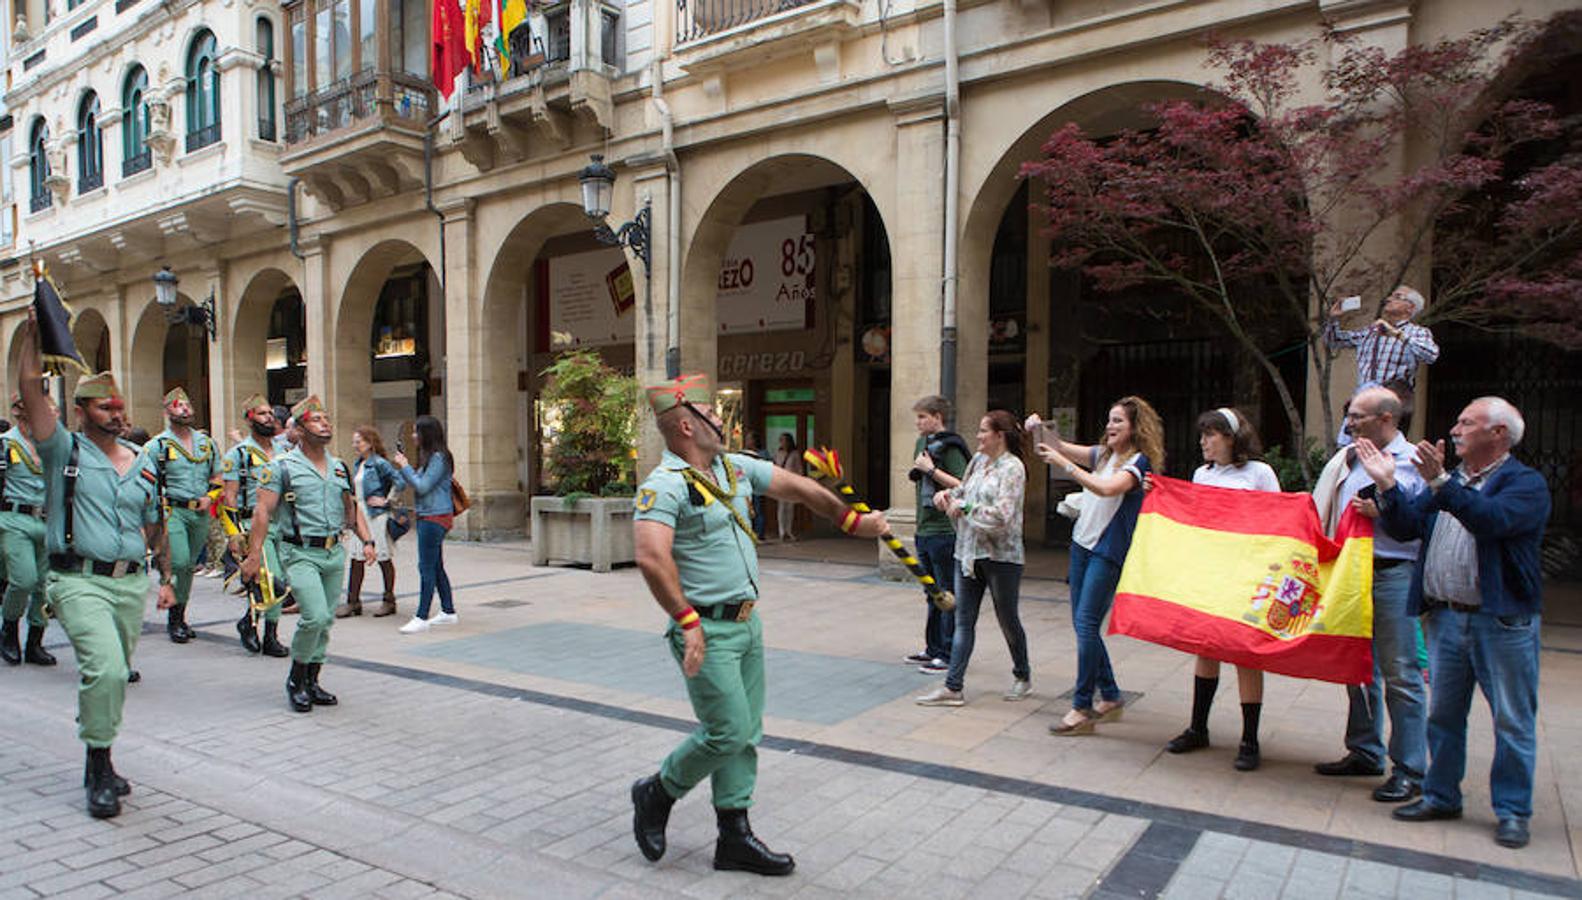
[512, 14]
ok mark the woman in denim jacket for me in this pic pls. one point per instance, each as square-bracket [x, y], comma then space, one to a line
[435, 515]
[374, 481]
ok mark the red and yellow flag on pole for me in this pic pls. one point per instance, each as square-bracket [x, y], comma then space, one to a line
[1248, 577]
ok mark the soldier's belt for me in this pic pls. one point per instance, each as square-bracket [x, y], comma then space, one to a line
[729, 612]
[184, 504]
[319, 543]
[36, 512]
[74, 564]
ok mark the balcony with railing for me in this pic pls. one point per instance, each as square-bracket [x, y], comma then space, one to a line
[199, 138]
[720, 34]
[697, 19]
[138, 162]
[90, 181]
[40, 202]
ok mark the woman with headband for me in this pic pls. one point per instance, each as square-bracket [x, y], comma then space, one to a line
[1229, 444]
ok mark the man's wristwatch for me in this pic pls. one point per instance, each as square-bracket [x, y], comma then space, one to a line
[369, 543]
[1438, 481]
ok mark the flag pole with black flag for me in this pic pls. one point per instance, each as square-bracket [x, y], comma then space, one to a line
[55, 343]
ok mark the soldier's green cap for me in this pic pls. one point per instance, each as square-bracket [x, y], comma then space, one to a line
[309, 404]
[177, 395]
[254, 402]
[96, 387]
[693, 388]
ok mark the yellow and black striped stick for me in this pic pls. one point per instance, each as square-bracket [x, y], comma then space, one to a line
[825, 463]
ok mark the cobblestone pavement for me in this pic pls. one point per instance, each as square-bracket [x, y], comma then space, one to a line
[476, 762]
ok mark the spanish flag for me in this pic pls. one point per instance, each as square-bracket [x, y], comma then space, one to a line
[1248, 577]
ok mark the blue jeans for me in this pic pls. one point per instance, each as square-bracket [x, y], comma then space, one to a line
[937, 553]
[1397, 685]
[1093, 579]
[1498, 654]
[1004, 582]
[431, 567]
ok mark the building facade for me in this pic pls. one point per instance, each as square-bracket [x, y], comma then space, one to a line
[398, 254]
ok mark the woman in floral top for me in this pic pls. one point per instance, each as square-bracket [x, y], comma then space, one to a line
[987, 510]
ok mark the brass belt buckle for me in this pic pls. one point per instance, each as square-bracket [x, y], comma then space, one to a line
[746, 610]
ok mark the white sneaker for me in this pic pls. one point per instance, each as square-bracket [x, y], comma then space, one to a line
[443, 618]
[1019, 690]
[942, 696]
[415, 626]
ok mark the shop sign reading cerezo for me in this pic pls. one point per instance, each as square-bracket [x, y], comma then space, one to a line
[766, 279]
[742, 365]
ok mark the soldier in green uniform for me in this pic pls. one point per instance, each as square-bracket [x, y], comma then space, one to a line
[22, 541]
[187, 460]
[308, 493]
[697, 551]
[239, 473]
[102, 516]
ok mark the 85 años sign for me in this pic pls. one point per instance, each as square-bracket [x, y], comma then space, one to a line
[767, 278]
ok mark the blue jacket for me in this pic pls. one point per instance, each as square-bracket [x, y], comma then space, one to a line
[378, 481]
[1507, 521]
[432, 486]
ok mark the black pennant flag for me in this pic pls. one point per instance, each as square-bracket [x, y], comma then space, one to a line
[54, 327]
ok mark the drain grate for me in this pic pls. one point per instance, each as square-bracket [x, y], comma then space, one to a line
[506, 604]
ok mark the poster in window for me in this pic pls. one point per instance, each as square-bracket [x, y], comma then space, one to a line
[592, 298]
[767, 278]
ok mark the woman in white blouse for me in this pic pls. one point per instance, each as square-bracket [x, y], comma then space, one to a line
[1229, 444]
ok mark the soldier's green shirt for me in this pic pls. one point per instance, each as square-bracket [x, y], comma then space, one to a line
[319, 499]
[715, 556]
[242, 464]
[110, 508]
[24, 474]
[187, 472]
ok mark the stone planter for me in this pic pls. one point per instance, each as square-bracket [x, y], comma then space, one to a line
[594, 531]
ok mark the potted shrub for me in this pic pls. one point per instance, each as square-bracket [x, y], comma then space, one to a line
[590, 462]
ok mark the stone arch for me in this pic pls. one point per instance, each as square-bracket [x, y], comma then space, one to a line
[351, 382]
[91, 333]
[145, 365]
[247, 340]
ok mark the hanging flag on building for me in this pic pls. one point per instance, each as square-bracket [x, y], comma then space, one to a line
[476, 19]
[448, 56]
[1248, 577]
[513, 13]
[55, 343]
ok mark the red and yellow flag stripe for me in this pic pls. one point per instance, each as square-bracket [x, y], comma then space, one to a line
[1248, 577]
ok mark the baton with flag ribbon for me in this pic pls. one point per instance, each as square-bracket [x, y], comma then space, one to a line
[825, 464]
[263, 592]
[55, 343]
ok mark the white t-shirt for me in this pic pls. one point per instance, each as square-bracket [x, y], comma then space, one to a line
[1252, 475]
[1098, 511]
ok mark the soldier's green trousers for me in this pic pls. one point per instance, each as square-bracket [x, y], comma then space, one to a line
[728, 698]
[316, 577]
[188, 530]
[26, 564]
[103, 617]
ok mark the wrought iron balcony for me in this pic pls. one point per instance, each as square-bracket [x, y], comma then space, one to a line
[41, 202]
[90, 181]
[355, 99]
[140, 162]
[203, 137]
[700, 18]
[266, 128]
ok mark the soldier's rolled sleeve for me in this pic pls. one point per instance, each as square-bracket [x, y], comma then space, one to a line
[659, 499]
[758, 471]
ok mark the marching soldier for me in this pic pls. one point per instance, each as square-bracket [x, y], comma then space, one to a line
[187, 460]
[309, 494]
[243, 465]
[22, 540]
[697, 552]
[102, 516]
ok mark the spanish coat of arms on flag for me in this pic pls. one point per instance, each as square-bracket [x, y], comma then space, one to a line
[1249, 577]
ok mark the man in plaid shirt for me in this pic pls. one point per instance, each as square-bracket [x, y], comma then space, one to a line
[1391, 348]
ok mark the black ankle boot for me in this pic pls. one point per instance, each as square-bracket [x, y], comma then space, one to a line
[10, 649]
[272, 645]
[99, 779]
[186, 630]
[318, 695]
[652, 804]
[175, 627]
[122, 786]
[740, 850]
[297, 688]
[249, 633]
[35, 652]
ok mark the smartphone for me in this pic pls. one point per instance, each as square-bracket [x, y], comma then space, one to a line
[1350, 304]
[400, 446]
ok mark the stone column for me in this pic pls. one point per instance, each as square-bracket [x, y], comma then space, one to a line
[319, 299]
[222, 406]
[1037, 363]
[650, 184]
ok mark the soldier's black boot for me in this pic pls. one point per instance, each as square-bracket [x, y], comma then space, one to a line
[10, 650]
[181, 617]
[297, 687]
[272, 645]
[651, 804]
[738, 849]
[249, 633]
[318, 695]
[122, 786]
[175, 627]
[35, 653]
[103, 803]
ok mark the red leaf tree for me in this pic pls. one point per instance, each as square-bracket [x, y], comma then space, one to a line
[1264, 209]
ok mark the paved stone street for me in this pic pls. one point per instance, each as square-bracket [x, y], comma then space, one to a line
[492, 759]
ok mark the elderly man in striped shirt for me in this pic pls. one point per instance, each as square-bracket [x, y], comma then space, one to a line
[1392, 347]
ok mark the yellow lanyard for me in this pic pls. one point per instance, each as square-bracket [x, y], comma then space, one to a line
[712, 492]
